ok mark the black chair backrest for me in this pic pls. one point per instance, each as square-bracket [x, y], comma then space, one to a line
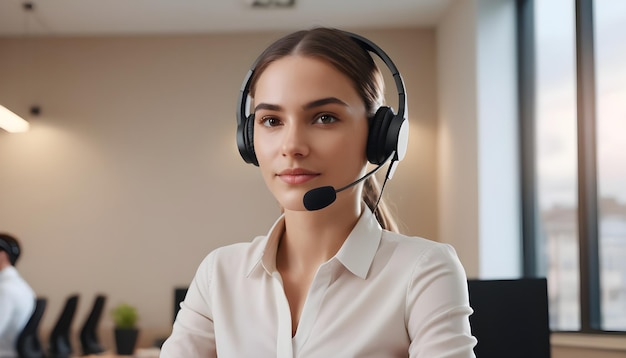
[28, 344]
[89, 333]
[510, 318]
[60, 343]
[179, 296]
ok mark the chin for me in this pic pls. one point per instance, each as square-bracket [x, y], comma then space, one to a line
[292, 202]
[293, 207]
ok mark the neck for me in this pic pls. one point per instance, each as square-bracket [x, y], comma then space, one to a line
[313, 237]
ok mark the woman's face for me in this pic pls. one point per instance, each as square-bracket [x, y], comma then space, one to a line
[310, 129]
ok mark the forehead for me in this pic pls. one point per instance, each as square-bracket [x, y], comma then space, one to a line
[303, 76]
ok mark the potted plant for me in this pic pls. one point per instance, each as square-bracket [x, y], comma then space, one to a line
[125, 319]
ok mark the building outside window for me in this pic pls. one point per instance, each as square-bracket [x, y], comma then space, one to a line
[610, 60]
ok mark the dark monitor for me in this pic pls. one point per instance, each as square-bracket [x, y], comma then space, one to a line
[179, 296]
[510, 318]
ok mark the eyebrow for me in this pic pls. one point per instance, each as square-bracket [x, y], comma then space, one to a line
[324, 101]
[310, 105]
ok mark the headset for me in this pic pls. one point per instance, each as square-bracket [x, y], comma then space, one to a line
[9, 245]
[388, 131]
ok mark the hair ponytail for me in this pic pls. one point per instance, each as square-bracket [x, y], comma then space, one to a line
[371, 193]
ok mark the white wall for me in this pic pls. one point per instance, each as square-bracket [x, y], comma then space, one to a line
[478, 144]
[498, 141]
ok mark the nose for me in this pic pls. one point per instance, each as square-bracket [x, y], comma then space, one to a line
[295, 140]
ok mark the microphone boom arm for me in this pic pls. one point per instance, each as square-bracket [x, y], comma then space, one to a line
[366, 175]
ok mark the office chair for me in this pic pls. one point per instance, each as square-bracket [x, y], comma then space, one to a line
[28, 343]
[60, 344]
[510, 318]
[88, 334]
[179, 296]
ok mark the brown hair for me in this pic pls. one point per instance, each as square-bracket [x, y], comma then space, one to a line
[346, 55]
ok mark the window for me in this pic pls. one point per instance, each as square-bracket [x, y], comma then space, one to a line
[610, 68]
[556, 163]
[573, 66]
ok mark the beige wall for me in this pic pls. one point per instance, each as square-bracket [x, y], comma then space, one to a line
[131, 175]
[457, 134]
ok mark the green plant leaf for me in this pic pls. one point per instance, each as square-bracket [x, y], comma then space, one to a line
[125, 316]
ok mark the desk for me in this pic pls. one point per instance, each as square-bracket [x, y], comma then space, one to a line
[139, 353]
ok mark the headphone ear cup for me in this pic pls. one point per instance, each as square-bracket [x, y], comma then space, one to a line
[250, 139]
[245, 140]
[377, 146]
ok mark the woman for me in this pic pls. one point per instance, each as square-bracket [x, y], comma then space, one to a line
[332, 281]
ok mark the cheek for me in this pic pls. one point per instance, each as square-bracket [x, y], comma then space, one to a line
[264, 147]
[357, 143]
[349, 152]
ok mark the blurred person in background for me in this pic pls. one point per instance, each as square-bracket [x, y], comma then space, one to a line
[17, 299]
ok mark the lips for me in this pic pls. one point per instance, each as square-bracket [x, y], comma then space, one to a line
[297, 175]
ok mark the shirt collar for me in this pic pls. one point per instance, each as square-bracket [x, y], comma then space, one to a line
[356, 254]
[267, 255]
[358, 251]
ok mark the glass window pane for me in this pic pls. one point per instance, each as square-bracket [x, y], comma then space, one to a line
[610, 61]
[556, 151]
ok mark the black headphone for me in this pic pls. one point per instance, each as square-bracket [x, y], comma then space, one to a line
[388, 132]
[9, 245]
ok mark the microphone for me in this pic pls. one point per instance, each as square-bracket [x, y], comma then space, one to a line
[319, 198]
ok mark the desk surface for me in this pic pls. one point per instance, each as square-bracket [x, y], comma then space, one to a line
[139, 353]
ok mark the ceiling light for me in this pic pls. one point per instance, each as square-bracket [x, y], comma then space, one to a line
[272, 3]
[11, 122]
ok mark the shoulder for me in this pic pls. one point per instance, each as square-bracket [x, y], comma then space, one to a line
[242, 254]
[429, 265]
[416, 244]
[241, 250]
[420, 251]
[12, 284]
[10, 276]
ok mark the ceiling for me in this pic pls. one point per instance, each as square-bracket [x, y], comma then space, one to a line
[147, 17]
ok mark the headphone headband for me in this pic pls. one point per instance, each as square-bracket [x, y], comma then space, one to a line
[397, 78]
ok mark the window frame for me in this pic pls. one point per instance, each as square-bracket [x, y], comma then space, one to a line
[587, 210]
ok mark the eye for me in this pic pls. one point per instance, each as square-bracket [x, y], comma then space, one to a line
[326, 119]
[269, 121]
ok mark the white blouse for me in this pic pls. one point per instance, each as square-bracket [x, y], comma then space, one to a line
[382, 295]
